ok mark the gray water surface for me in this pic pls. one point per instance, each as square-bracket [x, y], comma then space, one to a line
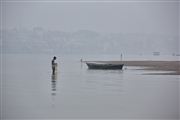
[30, 91]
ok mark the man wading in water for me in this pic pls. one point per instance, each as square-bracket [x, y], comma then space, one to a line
[54, 65]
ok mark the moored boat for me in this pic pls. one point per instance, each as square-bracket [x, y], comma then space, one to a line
[108, 66]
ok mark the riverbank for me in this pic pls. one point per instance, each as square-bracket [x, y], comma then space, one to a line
[172, 66]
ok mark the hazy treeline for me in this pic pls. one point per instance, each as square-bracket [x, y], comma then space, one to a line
[38, 40]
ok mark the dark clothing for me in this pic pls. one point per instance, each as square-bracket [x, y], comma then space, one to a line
[53, 64]
[53, 61]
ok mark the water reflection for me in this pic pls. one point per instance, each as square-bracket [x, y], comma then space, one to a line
[105, 82]
[53, 88]
[53, 84]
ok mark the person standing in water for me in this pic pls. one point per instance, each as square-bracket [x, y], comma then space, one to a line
[54, 65]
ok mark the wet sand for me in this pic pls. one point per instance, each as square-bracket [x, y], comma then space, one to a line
[172, 66]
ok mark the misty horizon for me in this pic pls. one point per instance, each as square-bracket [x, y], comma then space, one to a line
[90, 27]
[39, 40]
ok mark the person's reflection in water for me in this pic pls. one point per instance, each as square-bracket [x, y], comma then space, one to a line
[53, 83]
[53, 88]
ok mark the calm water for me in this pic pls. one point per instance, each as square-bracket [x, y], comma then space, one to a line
[29, 91]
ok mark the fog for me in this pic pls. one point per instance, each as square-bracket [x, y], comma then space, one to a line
[147, 24]
[33, 31]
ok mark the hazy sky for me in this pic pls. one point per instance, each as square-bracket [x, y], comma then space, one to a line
[125, 17]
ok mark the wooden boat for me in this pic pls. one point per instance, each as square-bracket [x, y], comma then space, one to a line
[95, 65]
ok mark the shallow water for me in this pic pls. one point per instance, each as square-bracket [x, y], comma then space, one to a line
[30, 91]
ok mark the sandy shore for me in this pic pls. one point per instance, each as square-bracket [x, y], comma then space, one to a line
[172, 66]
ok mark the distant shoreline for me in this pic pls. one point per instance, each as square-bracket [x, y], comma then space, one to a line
[172, 66]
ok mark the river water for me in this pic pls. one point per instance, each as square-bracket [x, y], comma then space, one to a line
[30, 91]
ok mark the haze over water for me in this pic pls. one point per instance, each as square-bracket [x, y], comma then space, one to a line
[32, 32]
[30, 91]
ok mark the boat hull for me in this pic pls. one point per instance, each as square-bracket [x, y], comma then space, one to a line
[105, 66]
